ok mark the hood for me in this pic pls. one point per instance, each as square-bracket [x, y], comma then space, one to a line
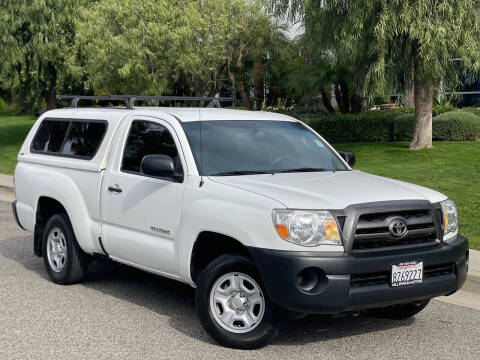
[328, 190]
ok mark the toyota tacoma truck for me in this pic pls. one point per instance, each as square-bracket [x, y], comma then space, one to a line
[254, 209]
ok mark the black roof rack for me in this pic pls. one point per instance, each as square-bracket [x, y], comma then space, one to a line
[130, 100]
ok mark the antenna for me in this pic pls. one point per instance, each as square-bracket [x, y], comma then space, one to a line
[201, 151]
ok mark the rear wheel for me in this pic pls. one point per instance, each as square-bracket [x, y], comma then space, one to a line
[400, 312]
[64, 261]
[233, 305]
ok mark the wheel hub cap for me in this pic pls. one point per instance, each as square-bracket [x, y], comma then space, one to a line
[237, 303]
[56, 249]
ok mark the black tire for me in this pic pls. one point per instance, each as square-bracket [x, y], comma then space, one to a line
[399, 312]
[258, 336]
[76, 262]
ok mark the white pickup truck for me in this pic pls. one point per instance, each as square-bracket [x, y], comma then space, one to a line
[254, 209]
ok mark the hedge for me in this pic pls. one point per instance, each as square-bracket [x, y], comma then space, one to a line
[392, 125]
[440, 109]
[370, 126]
[404, 127]
[472, 110]
[456, 126]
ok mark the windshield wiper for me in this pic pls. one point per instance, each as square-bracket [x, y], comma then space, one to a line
[240, 172]
[304, 169]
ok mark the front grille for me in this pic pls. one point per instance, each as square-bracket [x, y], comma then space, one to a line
[379, 278]
[383, 277]
[372, 232]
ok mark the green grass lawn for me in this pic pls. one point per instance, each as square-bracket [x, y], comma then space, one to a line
[452, 168]
[13, 130]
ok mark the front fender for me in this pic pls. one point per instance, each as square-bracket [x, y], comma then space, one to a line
[240, 214]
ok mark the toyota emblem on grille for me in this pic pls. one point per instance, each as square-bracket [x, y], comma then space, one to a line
[398, 228]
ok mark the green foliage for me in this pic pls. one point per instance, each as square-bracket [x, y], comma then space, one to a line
[178, 47]
[158, 46]
[472, 110]
[9, 110]
[37, 45]
[304, 112]
[440, 109]
[456, 126]
[367, 127]
[404, 127]
[383, 38]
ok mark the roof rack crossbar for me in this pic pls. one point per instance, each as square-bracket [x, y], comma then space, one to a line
[130, 100]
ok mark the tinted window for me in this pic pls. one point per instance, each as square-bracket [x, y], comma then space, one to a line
[147, 138]
[229, 147]
[69, 138]
[84, 138]
[50, 136]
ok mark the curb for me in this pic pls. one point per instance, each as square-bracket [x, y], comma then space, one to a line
[6, 182]
[474, 261]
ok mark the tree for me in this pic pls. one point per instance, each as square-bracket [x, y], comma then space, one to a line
[417, 37]
[248, 52]
[163, 46]
[11, 52]
[37, 45]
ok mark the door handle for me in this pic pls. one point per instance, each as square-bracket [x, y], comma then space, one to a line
[114, 189]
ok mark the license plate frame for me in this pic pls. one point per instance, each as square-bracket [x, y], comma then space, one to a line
[406, 274]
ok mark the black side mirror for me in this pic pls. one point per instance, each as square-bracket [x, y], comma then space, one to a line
[348, 156]
[161, 166]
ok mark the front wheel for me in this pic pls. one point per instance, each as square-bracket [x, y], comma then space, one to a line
[400, 312]
[233, 305]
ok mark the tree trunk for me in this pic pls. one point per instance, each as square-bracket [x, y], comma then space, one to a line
[341, 95]
[272, 96]
[327, 103]
[258, 84]
[51, 93]
[243, 93]
[422, 137]
[13, 97]
[213, 87]
[358, 104]
[51, 99]
[339, 99]
[409, 92]
[345, 95]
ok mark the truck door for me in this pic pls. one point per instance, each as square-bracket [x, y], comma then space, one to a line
[142, 213]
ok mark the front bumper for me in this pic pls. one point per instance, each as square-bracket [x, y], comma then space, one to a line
[335, 293]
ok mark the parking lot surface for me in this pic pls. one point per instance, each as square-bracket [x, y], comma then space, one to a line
[123, 313]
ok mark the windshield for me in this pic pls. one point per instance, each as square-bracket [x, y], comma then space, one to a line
[256, 147]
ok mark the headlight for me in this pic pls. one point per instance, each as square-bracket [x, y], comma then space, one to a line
[450, 217]
[307, 228]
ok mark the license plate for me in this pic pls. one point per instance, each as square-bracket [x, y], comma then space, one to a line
[408, 273]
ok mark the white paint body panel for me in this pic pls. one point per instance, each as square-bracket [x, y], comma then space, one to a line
[329, 190]
[236, 206]
[143, 203]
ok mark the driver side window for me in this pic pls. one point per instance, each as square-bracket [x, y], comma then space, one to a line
[148, 138]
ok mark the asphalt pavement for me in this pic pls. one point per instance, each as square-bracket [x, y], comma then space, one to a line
[122, 313]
